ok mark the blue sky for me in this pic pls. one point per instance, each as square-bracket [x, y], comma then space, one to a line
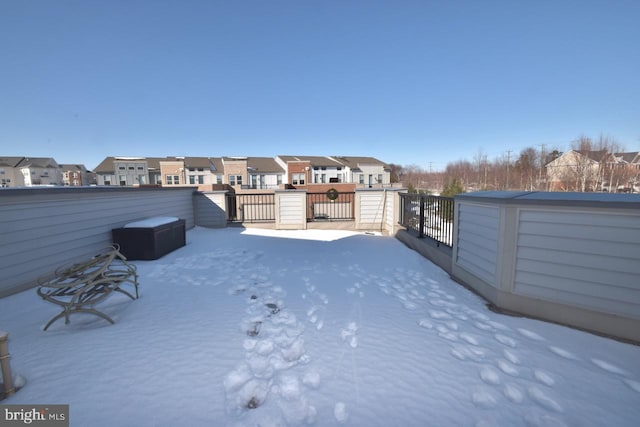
[409, 82]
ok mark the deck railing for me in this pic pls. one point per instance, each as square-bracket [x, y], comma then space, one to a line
[251, 207]
[428, 216]
[331, 206]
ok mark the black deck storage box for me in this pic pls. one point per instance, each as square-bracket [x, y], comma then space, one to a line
[150, 238]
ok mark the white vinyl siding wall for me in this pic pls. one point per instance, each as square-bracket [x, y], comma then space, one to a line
[371, 207]
[43, 229]
[478, 240]
[292, 208]
[587, 259]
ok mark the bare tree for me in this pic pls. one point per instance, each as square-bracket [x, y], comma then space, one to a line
[526, 168]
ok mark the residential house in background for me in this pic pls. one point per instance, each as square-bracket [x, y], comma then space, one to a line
[302, 171]
[245, 173]
[10, 176]
[199, 171]
[76, 175]
[37, 171]
[594, 171]
[123, 171]
[264, 174]
[365, 171]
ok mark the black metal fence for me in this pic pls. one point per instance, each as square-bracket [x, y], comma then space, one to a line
[429, 216]
[331, 206]
[251, 207]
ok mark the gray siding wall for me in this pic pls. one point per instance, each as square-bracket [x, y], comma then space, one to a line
[42, 229]
[210, 209]
[477, 240]
[588, 259]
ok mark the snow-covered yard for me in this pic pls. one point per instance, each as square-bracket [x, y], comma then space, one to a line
[261, 327]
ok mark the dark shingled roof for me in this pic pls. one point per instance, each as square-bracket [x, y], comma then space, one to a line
[10, 161]
[263, 164]
[38, 162]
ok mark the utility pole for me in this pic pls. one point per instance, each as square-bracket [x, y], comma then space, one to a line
[541, 164]
[508, 161]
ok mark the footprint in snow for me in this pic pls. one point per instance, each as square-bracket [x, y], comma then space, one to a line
[484, 398]
[483, 326]
[562, 353]
[541, 398]
[513, 393]
[489, 375]
[349, 334]
[511, 356]
[470, 339]
[543, 377]
[609, 367]
[505, 340]
[341, 413]
[531, 335]
[508, 368]
[437, 314]
[425, 323]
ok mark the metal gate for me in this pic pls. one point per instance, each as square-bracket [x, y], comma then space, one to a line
[251, 207]
[331, 206]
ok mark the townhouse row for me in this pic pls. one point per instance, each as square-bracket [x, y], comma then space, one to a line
[41, 171]
[243, 173]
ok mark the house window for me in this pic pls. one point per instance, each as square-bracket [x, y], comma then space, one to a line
[279, 178]
[121, 168]
[173, 179]
[142, 179]
[140, 168]
[361, 179]
[200, 179]
[379, 178]
[131, 168]
[323, 178]
[123, 180]
[218, 179]
[298, 179]
[316, 178]
[192, 179]
[235, 179]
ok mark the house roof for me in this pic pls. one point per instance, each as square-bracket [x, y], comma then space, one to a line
[313, 160]
[37, 162]
[355, 163]
[10, 161]
[631, 157]
[66, 167]
[263, 164]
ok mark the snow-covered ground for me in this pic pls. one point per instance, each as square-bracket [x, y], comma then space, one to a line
[260, 327]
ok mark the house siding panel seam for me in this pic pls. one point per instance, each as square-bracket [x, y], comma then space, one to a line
[478, 230]
[586, 259]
